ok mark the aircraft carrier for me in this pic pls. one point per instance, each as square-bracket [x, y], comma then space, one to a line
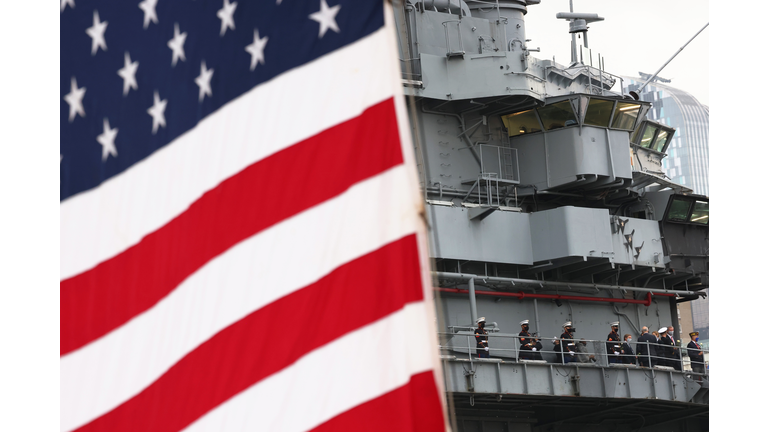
[547, 202]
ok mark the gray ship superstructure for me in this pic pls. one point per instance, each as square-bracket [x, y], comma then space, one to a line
[547, 201]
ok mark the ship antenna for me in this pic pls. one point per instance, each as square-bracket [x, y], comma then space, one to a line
[665, 64]
[578, 24]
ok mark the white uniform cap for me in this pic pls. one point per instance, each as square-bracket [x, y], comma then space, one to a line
[567, 324]
[662, 330]
[615, 323]
[479, 320]
[523, 322]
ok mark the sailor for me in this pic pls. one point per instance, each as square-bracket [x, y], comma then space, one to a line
[530, 347]
[646, 345]
[665, 348]
[481, 337]
[695, 354]
[627, 355]
[567, 343]
[613, 345]
[675, 360]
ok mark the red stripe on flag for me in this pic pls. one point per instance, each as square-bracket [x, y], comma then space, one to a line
[99, 300]
[412, 407]
[355, 294]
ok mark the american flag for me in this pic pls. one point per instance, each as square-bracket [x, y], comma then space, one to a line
[240, 240]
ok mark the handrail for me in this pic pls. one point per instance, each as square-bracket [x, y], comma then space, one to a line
[580, 357]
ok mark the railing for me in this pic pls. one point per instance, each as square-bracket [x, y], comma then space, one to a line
[510, 350]
[499, 162]
[449, 52]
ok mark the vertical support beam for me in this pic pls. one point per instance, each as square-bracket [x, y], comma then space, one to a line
[552, 380]
[498, 376]
[525, 379]
[472, 303]
[602, 379]
[672, 386]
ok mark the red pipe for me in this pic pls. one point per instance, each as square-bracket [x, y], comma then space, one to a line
[521, 295]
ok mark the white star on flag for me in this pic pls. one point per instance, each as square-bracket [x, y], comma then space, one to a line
[75, 100]
[107, 141]
[157, 111]
[148, 6]
[226, 15]
[64, 4]
[204, 81]
[177, 44]
[128, 74]
[256, 49]
[96, 32]
[326, 17]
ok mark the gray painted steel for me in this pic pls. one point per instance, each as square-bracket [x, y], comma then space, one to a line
[504, 377]
[578, 208]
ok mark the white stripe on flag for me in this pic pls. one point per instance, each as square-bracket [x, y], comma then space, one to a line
[114, 368]
[341, 375]
[105, 221]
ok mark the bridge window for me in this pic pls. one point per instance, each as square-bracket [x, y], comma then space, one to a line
[700, 213]
[626, 116]
[648, 134]
[557, 115]
[598, 112]
[679, 210]
[521, 123]
[661, 140]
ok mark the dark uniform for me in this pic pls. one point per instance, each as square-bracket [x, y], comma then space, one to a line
[527, 343]
[666, 347]
[613, 346]
[675, 360]
[697, 357]
[481, 337]
[567, 346]
[646, 344]
[627, 355]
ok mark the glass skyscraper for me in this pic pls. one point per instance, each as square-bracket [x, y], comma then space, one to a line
[687, 161]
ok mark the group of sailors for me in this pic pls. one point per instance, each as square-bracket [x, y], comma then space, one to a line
[653, 349]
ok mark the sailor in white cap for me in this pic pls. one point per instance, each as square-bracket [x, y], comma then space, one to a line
[530, 347]
[666, 348]
[481, 337]
[567, 343]
[613, 345]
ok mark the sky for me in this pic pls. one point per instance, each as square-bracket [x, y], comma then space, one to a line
[636, 35]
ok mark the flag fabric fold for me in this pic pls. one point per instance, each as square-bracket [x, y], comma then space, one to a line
[241, 245]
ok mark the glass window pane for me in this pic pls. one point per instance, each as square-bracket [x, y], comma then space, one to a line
[679, 210]
[647, 140]
[661, 140]
[557, 115]
[625, 116]
[521, 123]
[598, 112]
[700, 212]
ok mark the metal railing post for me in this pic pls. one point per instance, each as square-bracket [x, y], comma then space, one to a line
[469, 352]
[648, 351]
